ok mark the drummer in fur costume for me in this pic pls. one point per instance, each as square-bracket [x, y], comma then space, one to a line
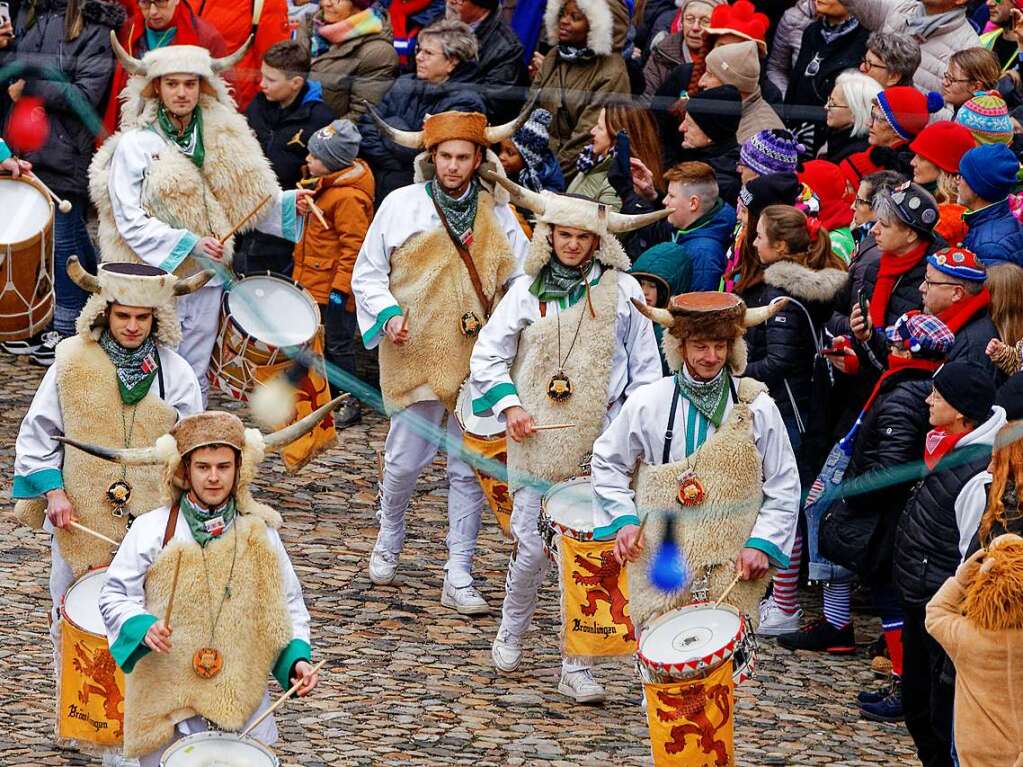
[711, 450]
[118, 383]
[434, 263]
[566, 345]
[238, 612]
[181, 172]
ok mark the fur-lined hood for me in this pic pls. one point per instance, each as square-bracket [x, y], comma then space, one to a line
[601, 37]
[805, 284]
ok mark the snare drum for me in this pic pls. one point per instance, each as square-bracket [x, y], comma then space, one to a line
[566, 509]
[485, 435]
[26, 250]
[90, 695]
[218, 749]
[261, 319]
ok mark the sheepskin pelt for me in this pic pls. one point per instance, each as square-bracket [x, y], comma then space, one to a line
[93, 412]
[92, 321]
[429, 279]
[556, 455]
[712, 534]
[254, 627]
[597, 13]
[817, 285]
[425, 171]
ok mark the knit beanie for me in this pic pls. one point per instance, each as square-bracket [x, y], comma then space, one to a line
[987, 117]
[990, 171]
[533, 138]
[335, 145]
[907, 110]
[770, 189]
[770, 151]
[968, 388]
[717, 111]
[834, 192]
[943, 143]
[959, 262]
[736, 64]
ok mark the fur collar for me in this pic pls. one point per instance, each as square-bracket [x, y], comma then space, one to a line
[597, 12]
[805, 284]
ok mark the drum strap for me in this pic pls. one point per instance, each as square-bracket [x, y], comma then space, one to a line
[172, 524]
[470, 267]
[669, 433]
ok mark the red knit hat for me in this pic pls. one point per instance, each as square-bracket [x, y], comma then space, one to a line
[833, 189]
[944, 143]
[907, 110]
[740, 18]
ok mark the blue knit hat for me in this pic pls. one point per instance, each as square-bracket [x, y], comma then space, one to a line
[959, 262]
[990, 170]
[533, 138]
[771, 151]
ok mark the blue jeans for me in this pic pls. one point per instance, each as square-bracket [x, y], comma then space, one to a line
[70, 238]
[817, 504]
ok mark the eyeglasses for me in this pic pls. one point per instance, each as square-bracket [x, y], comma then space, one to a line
[703, 21]
[948, 79]
[161, 4]
[866, 65]
[932, 283]
[832, 105]
[876, 116]
[861, 201]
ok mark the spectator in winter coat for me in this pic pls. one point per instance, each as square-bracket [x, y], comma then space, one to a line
[738, 22]
[708, 135]
[662, 272]
[1005, 281]
[848, 116]
[1000, 38]
[937, 152]
[788, 37]
[502, 72]
[686, 46]
[986, 176]
[353, 58]
[284, 115]
[892, 58]
[527, 157]
[738, 64]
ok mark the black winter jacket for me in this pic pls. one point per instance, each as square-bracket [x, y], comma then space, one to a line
[502, 70]
[971, 344]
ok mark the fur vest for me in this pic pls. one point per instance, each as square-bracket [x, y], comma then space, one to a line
[253, 629]
[92, 410]
[430, 282]
[712, 534]
[206, 201]
[556, 455]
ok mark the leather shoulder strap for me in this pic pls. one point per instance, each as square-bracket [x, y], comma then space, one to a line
[466, 257]
[172, 524]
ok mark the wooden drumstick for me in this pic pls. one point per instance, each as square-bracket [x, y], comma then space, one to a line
[404, 321]
[284, 697]
[639, 534]
[242, 223]
[93, 533]
[548, 426]
[174, 589]
[319, 214]
[64, 206]
[732, 585]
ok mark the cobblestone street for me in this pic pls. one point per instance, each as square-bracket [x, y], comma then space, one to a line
[409, 682]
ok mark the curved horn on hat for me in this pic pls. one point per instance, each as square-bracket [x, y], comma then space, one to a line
[130, 456]
[131, 64]
[618, 223]
[500, 132]
[652, 313]
[763, 313]
[227, 62]
[524, 198]
[87, 282]
[281, 438]
[193, 283]
[410, 139]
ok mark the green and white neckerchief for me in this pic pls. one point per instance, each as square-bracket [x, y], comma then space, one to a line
[189, 141]
[557, 282]
[136, 368]
[460, 213]
[207, 524]
[706, 404]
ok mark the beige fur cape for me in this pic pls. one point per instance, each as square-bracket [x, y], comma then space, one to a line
[712, 534]
[430, 281]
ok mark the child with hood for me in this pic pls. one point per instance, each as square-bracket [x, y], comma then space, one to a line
[663, 271]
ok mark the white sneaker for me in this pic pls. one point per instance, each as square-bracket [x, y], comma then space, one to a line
[382, 567]
[774, 621]
[582, 686]
[506, 654]
[466, 600]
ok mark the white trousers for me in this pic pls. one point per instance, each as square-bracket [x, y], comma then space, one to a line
[526, 571]
[199, 314]
[412, 442]
[61, 579]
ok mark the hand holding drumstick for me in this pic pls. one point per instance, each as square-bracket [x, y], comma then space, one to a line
[629, 542]
[397, 329]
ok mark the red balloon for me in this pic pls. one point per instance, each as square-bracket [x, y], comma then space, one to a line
[29, 127]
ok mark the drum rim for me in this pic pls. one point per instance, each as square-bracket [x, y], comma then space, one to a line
[458, 415]
[91, 572]
[49, 201]
[571, 532]
[226, 307]
[728, 649]
[218, 735]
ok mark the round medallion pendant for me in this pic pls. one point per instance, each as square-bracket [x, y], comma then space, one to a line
[207, 662]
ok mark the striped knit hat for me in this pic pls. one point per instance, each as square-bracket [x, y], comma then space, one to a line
[771, 151]
[987, 118]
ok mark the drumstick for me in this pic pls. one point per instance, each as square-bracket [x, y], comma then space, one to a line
[284, 697]
[319, 214]
[404, 321]
[728, 591]
[93, 533]
[639, 534]
[64, 206]
[547, 426]
[241, 223]
[174, 588]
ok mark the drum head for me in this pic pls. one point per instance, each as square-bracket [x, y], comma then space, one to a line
[81, 602]
[218, 749]
[569, 504]
[26, 211]
[689, 634]
[485, 426]
[274, 310]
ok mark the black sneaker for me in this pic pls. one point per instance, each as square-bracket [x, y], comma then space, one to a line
[349, 413]
[874, 696]
[889, 708]
[45, 354]
[821, 636]
[28, 346]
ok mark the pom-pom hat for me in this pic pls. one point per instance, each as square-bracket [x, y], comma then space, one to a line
[907, 110]
[742, 20]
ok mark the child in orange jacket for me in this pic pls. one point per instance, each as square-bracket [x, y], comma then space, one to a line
[324, 257]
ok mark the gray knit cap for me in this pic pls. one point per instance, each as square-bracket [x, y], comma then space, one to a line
[336, 145]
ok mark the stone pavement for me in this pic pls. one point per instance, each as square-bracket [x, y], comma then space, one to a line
[409, 682]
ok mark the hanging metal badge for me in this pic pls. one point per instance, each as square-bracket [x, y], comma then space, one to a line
[207, 662]
[559, 388]
[690, 489]
[118, 495]
[471, 324]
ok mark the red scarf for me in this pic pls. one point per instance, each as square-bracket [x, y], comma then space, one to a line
[939, 444]
[960, 313]
[891, 268]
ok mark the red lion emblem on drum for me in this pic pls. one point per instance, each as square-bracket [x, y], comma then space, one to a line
[605, 578]
[99, 668]
[691, 704]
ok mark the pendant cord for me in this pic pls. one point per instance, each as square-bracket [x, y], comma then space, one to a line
[227, 587]
[575, 337]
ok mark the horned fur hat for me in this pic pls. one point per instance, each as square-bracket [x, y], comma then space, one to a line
[133, 285]
[177, 59]
[707, 315]
[553, 209]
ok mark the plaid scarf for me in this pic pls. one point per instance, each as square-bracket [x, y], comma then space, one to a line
[588, 159]
[188, 142]
[461, 213]
[136, 368]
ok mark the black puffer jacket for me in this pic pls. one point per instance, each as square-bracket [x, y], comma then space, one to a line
[86, 63]
[927, 539]
[502, 71]
[867, 255]
[782, 350]
[858, 531]
[971, 344]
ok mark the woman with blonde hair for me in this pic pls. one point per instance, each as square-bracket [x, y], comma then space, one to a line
[1005, 281]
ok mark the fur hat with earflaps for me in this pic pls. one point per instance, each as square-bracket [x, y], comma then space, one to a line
[708, 315]
[554, 209]
[214, 427]
[133, 285]
[994, 597]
